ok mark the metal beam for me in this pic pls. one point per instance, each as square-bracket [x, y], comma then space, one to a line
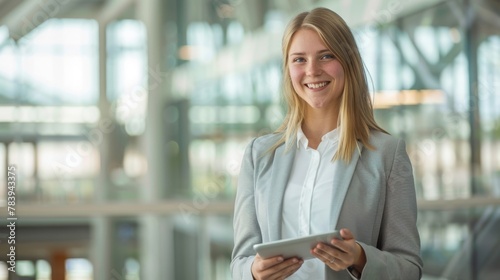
[455, 204]
[113, 9]
[362, 13]
[28, 15]
[196, 206]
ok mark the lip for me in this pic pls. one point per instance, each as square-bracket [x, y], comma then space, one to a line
[317, 85]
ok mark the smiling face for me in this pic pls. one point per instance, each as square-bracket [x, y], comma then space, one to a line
[316, 75]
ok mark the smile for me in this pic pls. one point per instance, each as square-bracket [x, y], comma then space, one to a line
[317, 85]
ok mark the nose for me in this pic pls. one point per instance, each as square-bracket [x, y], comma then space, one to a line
[313, 68]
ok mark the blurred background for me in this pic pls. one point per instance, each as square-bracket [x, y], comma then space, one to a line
[126, 121]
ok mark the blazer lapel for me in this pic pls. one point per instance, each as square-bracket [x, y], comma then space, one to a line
[342, 178]
[282, 167]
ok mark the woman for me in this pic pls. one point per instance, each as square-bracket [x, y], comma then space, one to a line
[329, 166]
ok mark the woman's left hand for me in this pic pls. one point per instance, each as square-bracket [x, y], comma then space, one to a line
[341, 254]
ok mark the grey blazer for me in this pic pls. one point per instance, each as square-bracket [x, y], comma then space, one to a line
[377, 203]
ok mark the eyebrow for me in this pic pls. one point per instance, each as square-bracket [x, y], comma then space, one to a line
[302, 53]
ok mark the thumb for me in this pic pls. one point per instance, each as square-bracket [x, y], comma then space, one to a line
[346, 234]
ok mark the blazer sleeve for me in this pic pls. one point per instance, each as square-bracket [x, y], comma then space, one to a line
[397, 255]
[245, 224]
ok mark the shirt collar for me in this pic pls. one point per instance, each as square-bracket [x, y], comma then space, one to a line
[332, 136]
[301, 139]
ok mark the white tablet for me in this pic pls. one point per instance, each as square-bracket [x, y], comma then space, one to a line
[294, 247]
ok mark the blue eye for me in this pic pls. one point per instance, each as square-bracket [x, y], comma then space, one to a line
[328, 56]
[298, 59]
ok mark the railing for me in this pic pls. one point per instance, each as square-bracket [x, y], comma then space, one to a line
[208, 206]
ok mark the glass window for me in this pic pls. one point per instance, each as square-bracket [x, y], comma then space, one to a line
[4, 274]
[43, 270]
[78, 269]
[57, 63]
[127, 58]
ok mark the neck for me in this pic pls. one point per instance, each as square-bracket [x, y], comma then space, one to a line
[316, 124]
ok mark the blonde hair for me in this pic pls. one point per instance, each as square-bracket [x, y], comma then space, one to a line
[356, 111]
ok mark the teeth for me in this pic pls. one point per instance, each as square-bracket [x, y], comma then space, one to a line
[317, 85]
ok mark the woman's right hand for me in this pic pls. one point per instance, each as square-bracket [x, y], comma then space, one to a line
[274, 268]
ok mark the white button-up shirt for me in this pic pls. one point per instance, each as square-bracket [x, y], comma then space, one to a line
[308, 196]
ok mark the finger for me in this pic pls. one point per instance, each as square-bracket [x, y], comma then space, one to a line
[341, 245]
[347, 242]
[347, 251]
[346, 234]
[264, 264]
[320, 255]
[331, 253]
[333, 263]
[280, 267]
[322, 252]
[332, 250]
[260, 265]
[288, 268]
